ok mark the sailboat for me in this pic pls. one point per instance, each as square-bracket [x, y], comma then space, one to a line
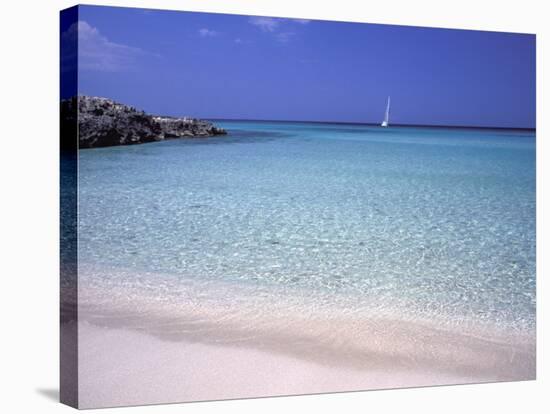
[386, 120]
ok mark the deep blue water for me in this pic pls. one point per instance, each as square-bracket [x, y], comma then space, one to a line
[439, 219]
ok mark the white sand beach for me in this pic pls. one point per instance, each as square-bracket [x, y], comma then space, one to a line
[191, 342]
[120, 367]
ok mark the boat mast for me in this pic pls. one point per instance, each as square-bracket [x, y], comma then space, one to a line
[387, 114]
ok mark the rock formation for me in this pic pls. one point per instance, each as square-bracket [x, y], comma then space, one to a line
[103, 122]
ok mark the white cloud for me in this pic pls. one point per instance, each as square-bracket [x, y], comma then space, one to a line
[95, 51]
[267, 24]
[241, 41]
[275, 26]
[284, 37]
[204, 32]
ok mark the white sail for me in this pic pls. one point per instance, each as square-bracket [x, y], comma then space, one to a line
[386, 121]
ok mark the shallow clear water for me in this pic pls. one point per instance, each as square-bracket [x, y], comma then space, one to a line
[440, 220]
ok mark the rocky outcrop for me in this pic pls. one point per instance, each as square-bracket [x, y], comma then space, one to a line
[103, 122]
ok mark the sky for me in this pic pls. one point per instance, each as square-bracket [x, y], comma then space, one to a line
[219, 66]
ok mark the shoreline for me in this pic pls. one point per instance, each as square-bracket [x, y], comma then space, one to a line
[130, 291]
[244, 343]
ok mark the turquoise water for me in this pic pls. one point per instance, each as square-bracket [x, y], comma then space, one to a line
[439, 221]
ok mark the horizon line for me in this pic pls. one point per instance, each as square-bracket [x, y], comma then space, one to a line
[316, 121]
[377, 124]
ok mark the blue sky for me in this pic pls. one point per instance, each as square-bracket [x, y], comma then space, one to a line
[229, 66]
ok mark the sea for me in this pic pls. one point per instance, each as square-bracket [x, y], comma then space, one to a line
[434, 224]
